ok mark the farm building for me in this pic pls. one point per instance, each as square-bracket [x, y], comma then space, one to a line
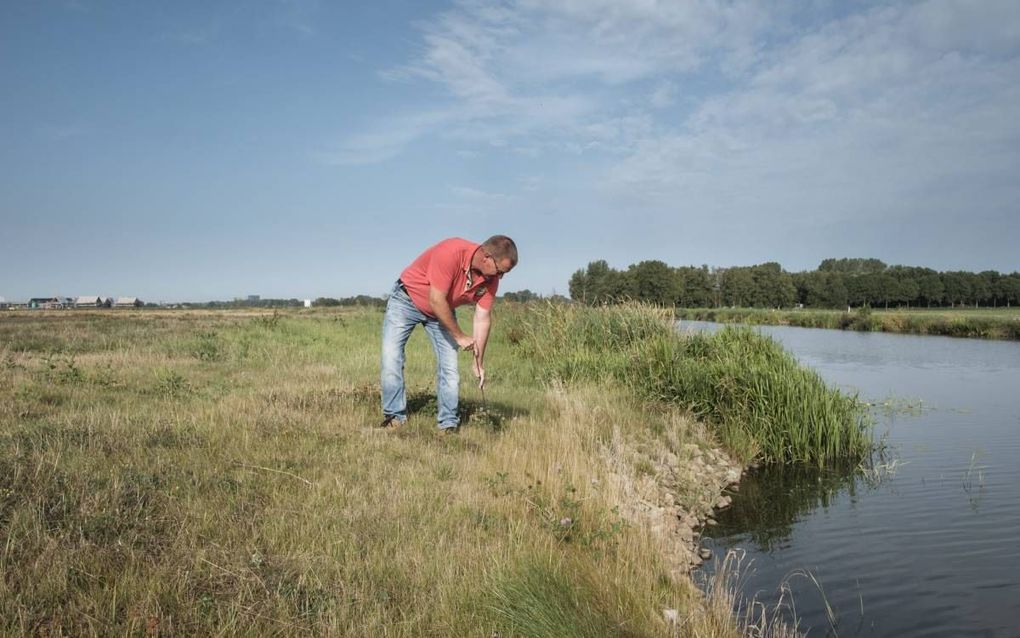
[93, 301]
[127, 302]
[46, 303]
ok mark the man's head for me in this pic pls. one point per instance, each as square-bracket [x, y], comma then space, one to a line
[497, 256]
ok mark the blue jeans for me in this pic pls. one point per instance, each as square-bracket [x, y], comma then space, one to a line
[401, 318]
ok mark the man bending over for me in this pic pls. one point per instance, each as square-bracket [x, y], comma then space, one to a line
[453, 273]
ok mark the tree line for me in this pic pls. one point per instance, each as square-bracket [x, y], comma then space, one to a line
[836, 283]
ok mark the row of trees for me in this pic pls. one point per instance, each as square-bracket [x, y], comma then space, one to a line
[837, 283]
[360, 300]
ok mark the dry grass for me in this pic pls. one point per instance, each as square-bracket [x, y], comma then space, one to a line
[217, 473]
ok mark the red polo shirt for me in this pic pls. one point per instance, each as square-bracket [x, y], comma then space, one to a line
[446, 266]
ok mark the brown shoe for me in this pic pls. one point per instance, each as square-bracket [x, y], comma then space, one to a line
[449, 431]
[391, 423]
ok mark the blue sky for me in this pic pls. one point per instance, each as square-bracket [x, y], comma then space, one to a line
[194, 150]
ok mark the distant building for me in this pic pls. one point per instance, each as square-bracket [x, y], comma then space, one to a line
[308, 303]
[254, 298]
[127, 302]
[3, 304]
[45, 303]
[92, 301]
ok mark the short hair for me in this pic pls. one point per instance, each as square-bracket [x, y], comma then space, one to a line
[501, 247]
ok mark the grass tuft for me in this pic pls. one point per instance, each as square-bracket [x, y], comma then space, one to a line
[764, 404]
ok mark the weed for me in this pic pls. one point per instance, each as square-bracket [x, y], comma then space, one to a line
[498, 485]
[268, 322]
[171, 384]
[444, 472]
[11, 363]
[208, 347]
[537, 599]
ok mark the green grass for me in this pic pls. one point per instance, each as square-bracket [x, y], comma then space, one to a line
[200, 473]
[983, 323]
[763, 404]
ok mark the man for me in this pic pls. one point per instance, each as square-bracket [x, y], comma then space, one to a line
[453, 273]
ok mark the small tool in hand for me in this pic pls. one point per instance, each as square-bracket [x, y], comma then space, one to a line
[481, 381]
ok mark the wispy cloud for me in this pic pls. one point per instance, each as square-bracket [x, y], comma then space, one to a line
[737, 107]
[868, 116]
[297, 15]
[60, 133]
[193, 36]
[476, 194]
[385, 141]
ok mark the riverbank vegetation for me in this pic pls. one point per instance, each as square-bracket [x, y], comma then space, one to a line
[218, 472]
[983, 323]
[765, 406]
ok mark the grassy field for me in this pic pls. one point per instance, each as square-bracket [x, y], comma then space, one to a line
[191, 472]
[982, 323]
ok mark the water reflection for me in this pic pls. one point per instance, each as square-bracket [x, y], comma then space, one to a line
[774, 497]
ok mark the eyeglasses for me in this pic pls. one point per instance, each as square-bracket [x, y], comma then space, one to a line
[499, 273]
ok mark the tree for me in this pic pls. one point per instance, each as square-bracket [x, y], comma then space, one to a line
[820, 289]
[956, 286]
[988, 287]
[695, 287]
[654, 282]
[588, 285]
[773, 287]
[737, 286]
[522, 296]
[853, 266]
[929, 287]
[1009, 287]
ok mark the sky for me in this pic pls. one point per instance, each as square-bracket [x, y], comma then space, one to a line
[296, 148]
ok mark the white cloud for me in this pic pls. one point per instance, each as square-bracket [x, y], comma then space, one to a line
[736, 109]
[475, 194]
[663, 95]
[385, 141]
[862, 118]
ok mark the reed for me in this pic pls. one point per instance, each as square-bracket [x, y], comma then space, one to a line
[757, 393]
[765, 405]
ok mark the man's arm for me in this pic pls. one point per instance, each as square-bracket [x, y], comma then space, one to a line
[437, 299]
[483, 319]
[482, 322]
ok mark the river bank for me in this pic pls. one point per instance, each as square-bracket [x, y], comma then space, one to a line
[210, 472]
[979, 323]
[946, 412]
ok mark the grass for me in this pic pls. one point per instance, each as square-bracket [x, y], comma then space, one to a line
[763, 404]
[197, 472]
[983, 323]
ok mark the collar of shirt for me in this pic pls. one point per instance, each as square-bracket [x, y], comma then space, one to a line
[469, 280]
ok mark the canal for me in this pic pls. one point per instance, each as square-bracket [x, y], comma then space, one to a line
[924, 543]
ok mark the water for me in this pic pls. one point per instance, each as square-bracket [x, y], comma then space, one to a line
[930, 547]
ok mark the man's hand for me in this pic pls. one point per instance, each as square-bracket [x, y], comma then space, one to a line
[465, 342]
[479, 372]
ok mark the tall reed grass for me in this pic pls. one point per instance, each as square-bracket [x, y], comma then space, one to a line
[764, 404]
